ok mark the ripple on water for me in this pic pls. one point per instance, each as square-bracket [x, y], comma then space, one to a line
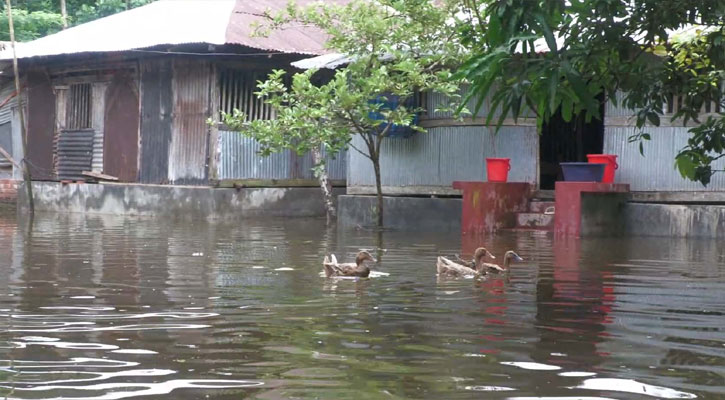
[580, 317]
[632, 386]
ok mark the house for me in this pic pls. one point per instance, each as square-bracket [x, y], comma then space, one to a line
[422, 168]
[130, 96]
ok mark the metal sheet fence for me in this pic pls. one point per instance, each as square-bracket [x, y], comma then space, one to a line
[433, 160]
[655, 171]
[240, 159]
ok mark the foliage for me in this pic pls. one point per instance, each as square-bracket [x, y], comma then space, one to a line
[565, 56]
[30, 25]
[103, 8]
[706, 145]
[35, 19]
[395, 49]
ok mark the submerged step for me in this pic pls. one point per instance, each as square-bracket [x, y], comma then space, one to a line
[536, 206]
[534, 220]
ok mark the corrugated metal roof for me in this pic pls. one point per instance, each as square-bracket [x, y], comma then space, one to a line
[290, 39]
[173, 22]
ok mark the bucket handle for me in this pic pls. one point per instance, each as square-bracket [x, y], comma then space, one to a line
[509, 167]
[616, 166]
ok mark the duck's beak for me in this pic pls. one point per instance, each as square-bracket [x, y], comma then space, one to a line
[492, 256]
[517, 257]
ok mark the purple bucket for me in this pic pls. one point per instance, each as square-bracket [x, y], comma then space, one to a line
[582, 172]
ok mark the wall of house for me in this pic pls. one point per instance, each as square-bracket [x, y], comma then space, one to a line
[655, 171]
[451, 150]
[146, 121]
[10, 133]
[241, 163]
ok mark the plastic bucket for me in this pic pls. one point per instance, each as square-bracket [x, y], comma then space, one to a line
[582, 172]
[610, 160]
[497, 169]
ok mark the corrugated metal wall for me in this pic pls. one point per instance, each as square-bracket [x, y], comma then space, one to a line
[656, 170]
[6, 142]
[41, 125]
[429, 163]
[121, 129]
[6, 114]
[6, 111]
[156, 115]
[74, 153]
[192, 82]
[240, 160]
[98, 115]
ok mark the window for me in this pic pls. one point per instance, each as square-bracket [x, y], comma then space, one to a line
[674, 103]
[237, 89]
[78, 114]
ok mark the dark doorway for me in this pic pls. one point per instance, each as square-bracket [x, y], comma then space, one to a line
[120, 141]
[563, 141]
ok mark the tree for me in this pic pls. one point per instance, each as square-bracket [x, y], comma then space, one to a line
[394, 50]
[35, 19]
[620, 50]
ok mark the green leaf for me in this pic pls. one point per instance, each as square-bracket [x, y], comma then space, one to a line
[566, 109]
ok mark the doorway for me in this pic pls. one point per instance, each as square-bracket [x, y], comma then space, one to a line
[571, 141]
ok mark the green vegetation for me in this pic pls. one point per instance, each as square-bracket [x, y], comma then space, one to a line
[37, 18]
[617, 50]
[395, 50]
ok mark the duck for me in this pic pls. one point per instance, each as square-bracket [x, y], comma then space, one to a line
[446, 267]
[358, 269]
[507, 258]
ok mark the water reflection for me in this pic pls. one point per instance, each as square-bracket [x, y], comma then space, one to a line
[111, 308]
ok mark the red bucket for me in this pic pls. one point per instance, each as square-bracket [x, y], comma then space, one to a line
[497, 169]
[610, 160]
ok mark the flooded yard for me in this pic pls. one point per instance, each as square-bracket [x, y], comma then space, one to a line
[115, 308]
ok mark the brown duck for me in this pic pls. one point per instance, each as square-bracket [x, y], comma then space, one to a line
[359, 268]
[448, 268]
[507, 258]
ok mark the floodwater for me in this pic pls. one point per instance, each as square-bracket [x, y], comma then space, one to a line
[116, 308]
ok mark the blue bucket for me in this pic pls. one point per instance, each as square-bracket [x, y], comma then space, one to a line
[582, 172]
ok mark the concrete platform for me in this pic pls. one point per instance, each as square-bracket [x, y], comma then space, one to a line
[491, 206]
[176, 201]
[590, 208]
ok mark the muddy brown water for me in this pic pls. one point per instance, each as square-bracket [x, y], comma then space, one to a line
[116, 308]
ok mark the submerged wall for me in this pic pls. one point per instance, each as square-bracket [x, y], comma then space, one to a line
[675, 220]
[176, 201]
[401, 213]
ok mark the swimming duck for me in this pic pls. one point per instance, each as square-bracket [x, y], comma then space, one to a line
[446, 267]
[507, 258]
[358, 268]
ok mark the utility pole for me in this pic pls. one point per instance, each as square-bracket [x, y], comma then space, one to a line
[63, 14]
[23, 131]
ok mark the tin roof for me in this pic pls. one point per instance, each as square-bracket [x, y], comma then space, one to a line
[174, 22]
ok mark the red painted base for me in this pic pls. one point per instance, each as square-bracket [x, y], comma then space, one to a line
[490, 206]
[568, 195]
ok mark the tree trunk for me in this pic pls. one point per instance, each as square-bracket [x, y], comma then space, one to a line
[63, 14]
[375, 158]
[325, 185]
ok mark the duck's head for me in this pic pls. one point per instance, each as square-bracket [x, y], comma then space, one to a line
[511, 255]
[480, 253]
[363, 256]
